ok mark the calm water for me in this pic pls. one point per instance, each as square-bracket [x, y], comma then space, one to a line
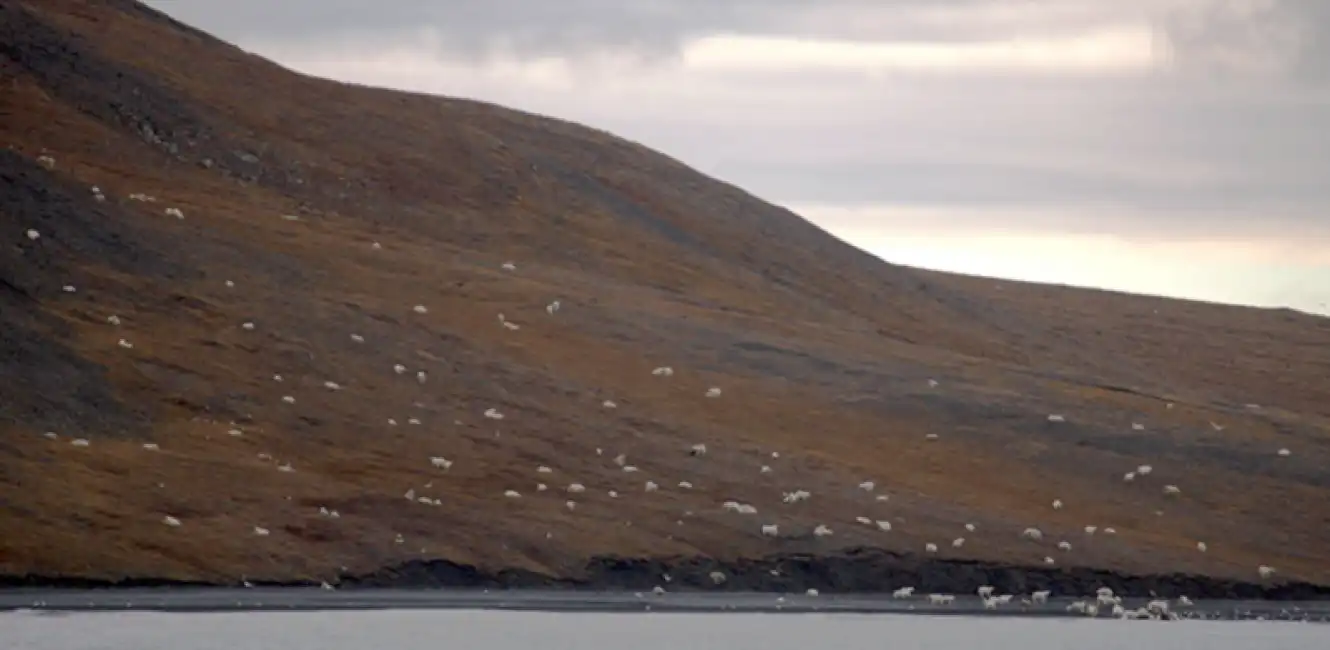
[494, 630]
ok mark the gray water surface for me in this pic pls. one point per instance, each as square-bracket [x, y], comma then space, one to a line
[498, 630]
[304, 599]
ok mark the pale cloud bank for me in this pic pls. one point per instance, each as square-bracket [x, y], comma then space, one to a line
[1193, 131]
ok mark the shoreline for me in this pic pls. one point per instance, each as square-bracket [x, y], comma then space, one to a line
[862, 571]
[313, 599]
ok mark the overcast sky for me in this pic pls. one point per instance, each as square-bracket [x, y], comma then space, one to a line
[1179, 147]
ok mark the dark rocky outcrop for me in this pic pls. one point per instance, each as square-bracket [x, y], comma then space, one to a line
[860, 570]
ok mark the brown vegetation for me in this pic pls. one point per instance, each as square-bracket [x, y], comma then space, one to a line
[823, 352]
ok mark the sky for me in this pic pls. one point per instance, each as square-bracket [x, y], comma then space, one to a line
[1170, 147]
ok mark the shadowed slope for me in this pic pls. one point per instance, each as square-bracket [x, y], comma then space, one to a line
[823, 353]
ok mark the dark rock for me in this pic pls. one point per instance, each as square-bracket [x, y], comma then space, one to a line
[858, 570]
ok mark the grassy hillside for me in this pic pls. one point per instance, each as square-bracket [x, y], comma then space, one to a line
[322, 214]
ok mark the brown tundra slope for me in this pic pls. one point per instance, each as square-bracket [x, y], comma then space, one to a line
[320, 212]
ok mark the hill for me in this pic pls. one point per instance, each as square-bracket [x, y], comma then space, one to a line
[255, 234]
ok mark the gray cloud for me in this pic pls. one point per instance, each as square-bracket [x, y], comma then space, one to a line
[1289, 36]
[1239, 130]
[1173, 159]
[475, 27]
[1292, 34]
[1253, 206]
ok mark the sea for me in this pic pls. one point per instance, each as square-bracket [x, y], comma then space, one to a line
[480, 629]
